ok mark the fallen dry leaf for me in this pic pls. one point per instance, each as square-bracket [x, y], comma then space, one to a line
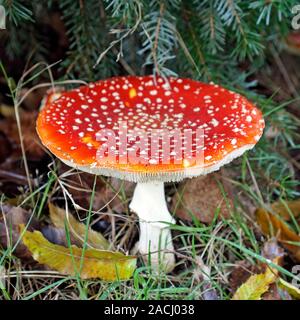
[285, 210]
[202, 196]
[243, 269]
[241, 272]
[32, 145]
[59, 217]
[264, 284]
[272, 225]
[255, 286]
[15, 216]
[292, 290]
[71, 261]
[10, 219]
[273, 252]
[276, 293]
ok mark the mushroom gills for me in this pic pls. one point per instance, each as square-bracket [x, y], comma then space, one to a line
[155, 241]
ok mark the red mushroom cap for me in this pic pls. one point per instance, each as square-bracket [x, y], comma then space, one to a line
[69, 126]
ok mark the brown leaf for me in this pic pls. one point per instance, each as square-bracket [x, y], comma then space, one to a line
[285, 210]
[8, 239]
[272, 225]
[255, 286]
[241, 273]
[262, 285]
[243, 269]
[202, 197]
[272, 251]
[276, 293]
[15, 216]
[77, 229]
[291, 289]
[32, 145]
[10, 219]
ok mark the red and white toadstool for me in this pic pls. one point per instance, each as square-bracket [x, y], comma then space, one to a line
[150, 131]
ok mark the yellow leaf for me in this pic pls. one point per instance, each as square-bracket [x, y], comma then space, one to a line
[292, 290]
[272, 225]
[94, 264]
[255, 286]
[78, 230]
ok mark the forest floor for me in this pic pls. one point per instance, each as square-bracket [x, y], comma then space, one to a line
[231, 224]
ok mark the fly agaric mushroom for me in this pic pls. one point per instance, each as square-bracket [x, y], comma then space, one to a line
[85, 128]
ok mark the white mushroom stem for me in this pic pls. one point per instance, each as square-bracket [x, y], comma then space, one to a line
[150, 205]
